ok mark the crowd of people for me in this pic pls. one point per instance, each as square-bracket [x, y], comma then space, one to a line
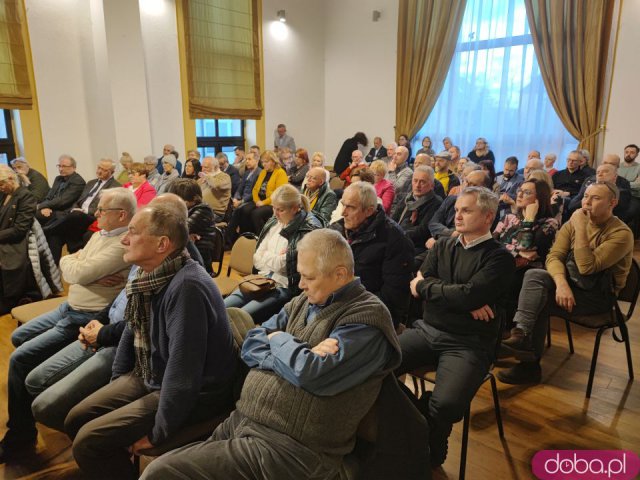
[407, 261]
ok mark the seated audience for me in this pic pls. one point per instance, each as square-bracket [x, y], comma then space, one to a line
[175, 362]
[377, 152]
[403, 141]
[362, 175]
[391, 152]
[508, 184]
[462, 164]
[255, 149]
[169, 175]
[276, 254]
[243, 196]
[570, 180]
[471, 167]
[255, 214]
[416, 211]
[322, 199]
[169, 150]
[286, 158]
[153, 177]
[400, 174]
[527, 233]
[442, 224]
[442, 173]
[79, 369]
[382, 252]
[454, 151]
[427, 147]
[67, 188]
[70, 227]
[481, 152]
[549, 161]
[587, 265]
[447, 143]
[487, 166]
[96, 275]
[239, 162]
[607, 172]
[290, 421]
[357, 163]
[216, 187]
[201, 219]
[38, 184]
[423, 159]
[230, 170]
[17, 212]
[299, 169]
[191, 169]
[317, 160]
[585, 160]
[344, 157]
[630, 170]
[460, 282]
[122, 176]
[384, 188]
[138, 184]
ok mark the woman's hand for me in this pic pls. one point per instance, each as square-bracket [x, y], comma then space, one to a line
[530, 211]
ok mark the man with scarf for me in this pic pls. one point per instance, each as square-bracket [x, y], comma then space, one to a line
[415, 213]
[175, 363]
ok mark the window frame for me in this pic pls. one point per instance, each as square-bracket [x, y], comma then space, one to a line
[217, 142]
[8, 144]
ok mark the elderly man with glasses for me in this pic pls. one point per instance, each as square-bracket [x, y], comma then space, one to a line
[67, 188]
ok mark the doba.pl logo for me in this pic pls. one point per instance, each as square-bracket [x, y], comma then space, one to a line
[585, 464]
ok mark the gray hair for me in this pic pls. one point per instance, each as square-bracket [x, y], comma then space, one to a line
[112, 164]
[168, 218]
[120, 198]
[486, 200]
[425, 169]
[70, 158]
[19, 160]
[7, 173]
[614, 191]
[551, 155]
[330, 250]
[366, 194]
[222, 155]
[319, 155]
[585, 154]
[150, 160]
[289, 196]
[537, 163]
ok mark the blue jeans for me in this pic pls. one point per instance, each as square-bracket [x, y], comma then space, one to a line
[35, 342]
[260, 310]
[66, 378]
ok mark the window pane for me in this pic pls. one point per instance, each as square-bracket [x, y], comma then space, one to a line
[230, 153]
[208, 152]
[230, 128]
[4, 160]
[3, 126]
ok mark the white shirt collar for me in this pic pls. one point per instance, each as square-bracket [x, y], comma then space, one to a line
[473, 243]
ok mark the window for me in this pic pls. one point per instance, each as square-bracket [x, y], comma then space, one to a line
[7, 144]
[494, 89]
[215, 136]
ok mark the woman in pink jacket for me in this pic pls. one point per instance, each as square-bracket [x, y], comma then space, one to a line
[384, 188]
[143, 190]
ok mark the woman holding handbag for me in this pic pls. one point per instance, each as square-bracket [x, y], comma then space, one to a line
[276, 255]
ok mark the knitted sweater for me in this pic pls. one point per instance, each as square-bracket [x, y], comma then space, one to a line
[101, 256]
[325, 424]
[610, 246]
[216, 191]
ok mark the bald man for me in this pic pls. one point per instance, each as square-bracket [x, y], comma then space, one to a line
[607, 172]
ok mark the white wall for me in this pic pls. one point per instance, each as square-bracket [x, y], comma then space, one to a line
[360, 71]
[294, 71]
[622, 123]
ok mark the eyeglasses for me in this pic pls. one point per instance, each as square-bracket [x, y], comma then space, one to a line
[526, 193]
[64, 166]
[101, 210]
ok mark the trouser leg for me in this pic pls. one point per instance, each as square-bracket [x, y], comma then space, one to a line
[536, 289]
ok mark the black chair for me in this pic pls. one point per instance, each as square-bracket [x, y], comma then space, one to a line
[602, 322]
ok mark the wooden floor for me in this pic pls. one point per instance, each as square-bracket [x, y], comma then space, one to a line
[552, 415]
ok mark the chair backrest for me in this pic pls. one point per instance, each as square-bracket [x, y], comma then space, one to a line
[335, 183]
[241, 259]
[631, 289]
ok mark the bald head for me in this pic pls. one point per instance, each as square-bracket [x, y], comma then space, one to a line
[423, 159]
[612, 159]
[532, 165]
[171, 199]
[401, 156]
[477, 178]
[316, 177]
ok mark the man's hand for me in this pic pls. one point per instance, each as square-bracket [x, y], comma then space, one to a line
[259, 203]
[110, 280]
[483, 313]
[430, 243]
[273, 334]
[392, 166]
[326, 347]
[564, 296]
[46, 212]
[580, 218]
[236, 203]
[505, 198]
[455, 234]
[90, 333]
[142, 444]
[414, 284]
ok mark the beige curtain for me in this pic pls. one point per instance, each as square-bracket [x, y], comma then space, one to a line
[223, 58]
[571, 40]
[15, 88]
[427, 36]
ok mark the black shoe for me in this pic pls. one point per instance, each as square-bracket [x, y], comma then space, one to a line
[519, 345]
[524, 373]
[13, 446]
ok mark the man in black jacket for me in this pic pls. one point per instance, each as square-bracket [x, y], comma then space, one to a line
[343, 159]
[66, 189]
[461, 281]
[415, 213]
[377, 152]
[383, 254]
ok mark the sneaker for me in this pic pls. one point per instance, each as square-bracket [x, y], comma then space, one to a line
[12, 446]
[519, 345]
[524, 373]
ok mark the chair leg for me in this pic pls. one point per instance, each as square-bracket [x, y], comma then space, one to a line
[136, 463]
[569, 337]
[594, 360]
[549, 333]
[496, 404]
[423, 387]
[465, 441]
[624, 331]
[415, 386]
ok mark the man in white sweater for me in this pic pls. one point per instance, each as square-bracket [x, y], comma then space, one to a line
[96, 274]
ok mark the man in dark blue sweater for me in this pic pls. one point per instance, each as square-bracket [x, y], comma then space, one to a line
[175, 362]
[460, 282]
